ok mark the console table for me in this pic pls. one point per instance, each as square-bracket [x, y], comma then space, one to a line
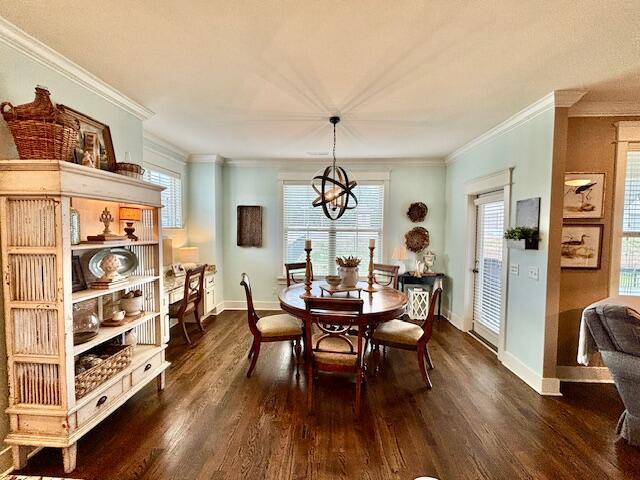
[430, 279]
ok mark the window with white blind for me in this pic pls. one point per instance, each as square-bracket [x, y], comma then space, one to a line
[171, 213]
[630, 248]
[349, 235]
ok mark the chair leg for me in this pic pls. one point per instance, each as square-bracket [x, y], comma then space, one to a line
[427, 355]
[184, 330]
[298, 350]
[309, 386]
[198, 320]
[375, 353]
[256, 352]
[253, 347]
[358, 391]
[293, 347]
[423, 370]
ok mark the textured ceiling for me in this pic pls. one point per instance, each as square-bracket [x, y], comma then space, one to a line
[253, 79]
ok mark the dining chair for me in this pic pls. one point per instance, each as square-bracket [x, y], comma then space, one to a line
[408, 336]
[386, 275]
[193, 293]
[271, 328]
[332, 349]
[294, 269]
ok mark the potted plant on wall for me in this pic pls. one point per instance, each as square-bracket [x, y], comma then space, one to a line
[522, 238]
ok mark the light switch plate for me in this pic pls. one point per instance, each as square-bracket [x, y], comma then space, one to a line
[514, 269]
[533, 273]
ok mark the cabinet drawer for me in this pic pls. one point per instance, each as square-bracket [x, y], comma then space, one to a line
[99, 402]
[145, 370]
[209, 281]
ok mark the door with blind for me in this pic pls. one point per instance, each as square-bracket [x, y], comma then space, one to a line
[487, 288]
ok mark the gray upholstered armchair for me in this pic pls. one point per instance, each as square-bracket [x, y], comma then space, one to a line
[616, 332]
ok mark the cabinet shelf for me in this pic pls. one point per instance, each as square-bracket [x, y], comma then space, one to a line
[88, 294]
[107, 333]
[98, 246]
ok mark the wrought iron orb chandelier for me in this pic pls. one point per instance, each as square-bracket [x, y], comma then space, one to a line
[334, 187]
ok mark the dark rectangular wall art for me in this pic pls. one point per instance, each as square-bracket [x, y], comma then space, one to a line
[528, 213]
[249, 226]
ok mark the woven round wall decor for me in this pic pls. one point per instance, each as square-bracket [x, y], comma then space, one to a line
[417, 239]
[417, 212]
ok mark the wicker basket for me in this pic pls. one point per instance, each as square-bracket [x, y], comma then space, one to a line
[130, 170]
[41, 130]
[119, 360]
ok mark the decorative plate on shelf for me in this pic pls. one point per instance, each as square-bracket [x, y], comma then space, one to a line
[417, 239]
[128, 261]
[417, 212]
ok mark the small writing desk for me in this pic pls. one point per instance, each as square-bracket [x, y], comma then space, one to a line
[429, 279]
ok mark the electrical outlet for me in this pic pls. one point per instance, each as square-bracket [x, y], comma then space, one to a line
[514, 269]
[533, 273]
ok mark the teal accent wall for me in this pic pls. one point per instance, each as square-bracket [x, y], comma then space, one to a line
[19, 76]
[528, 148]
[260, 186]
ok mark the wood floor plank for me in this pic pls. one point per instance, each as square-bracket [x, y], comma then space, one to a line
[478, 422]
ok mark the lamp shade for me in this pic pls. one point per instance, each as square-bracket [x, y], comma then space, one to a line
[400, 253]
[167, 251]
[130, 214]
[189, 255]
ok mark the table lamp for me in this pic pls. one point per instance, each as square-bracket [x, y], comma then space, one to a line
[400, 255]
[130, 215]
[188, 255]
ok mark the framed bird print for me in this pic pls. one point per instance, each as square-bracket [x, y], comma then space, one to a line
[581, 246]
[583, 195]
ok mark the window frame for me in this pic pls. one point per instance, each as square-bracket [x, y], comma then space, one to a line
[363, 178]
[627, 140]
[171, 173]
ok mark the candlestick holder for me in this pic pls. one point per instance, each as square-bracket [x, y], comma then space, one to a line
[370, 287]
[307, 275]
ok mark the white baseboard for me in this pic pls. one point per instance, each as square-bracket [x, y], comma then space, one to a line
[583, 374]
[542, 385]
[454, 319]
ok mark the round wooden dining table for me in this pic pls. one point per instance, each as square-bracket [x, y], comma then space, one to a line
[384, 304]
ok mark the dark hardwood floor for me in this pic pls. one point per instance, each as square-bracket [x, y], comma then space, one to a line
[478, 422]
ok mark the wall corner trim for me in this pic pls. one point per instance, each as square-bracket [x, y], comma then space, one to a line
[605, 109]
[152, 140]
[33, 48]
[207, 158]
[558, 98]
[568, 98]
[542, 385]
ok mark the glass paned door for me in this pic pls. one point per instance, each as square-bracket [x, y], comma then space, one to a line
[487, 291]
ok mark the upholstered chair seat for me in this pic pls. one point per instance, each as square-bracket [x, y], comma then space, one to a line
[397, 331]
[335, 351]
[174, 308]
[279, 325]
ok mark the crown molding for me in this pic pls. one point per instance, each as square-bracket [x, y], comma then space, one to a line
[33, 48]
[605, 109]
[151, 141]
[351, 163]
[207, 158]
[568, 98]
[558, 98]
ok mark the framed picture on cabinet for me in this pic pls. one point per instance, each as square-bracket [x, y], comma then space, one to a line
[581, 246]
[583, 195]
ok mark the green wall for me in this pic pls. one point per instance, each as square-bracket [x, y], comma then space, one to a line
[260, 186]
[528, 148]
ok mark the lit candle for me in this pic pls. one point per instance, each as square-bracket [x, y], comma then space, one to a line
[372, 243]
[307, 244]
